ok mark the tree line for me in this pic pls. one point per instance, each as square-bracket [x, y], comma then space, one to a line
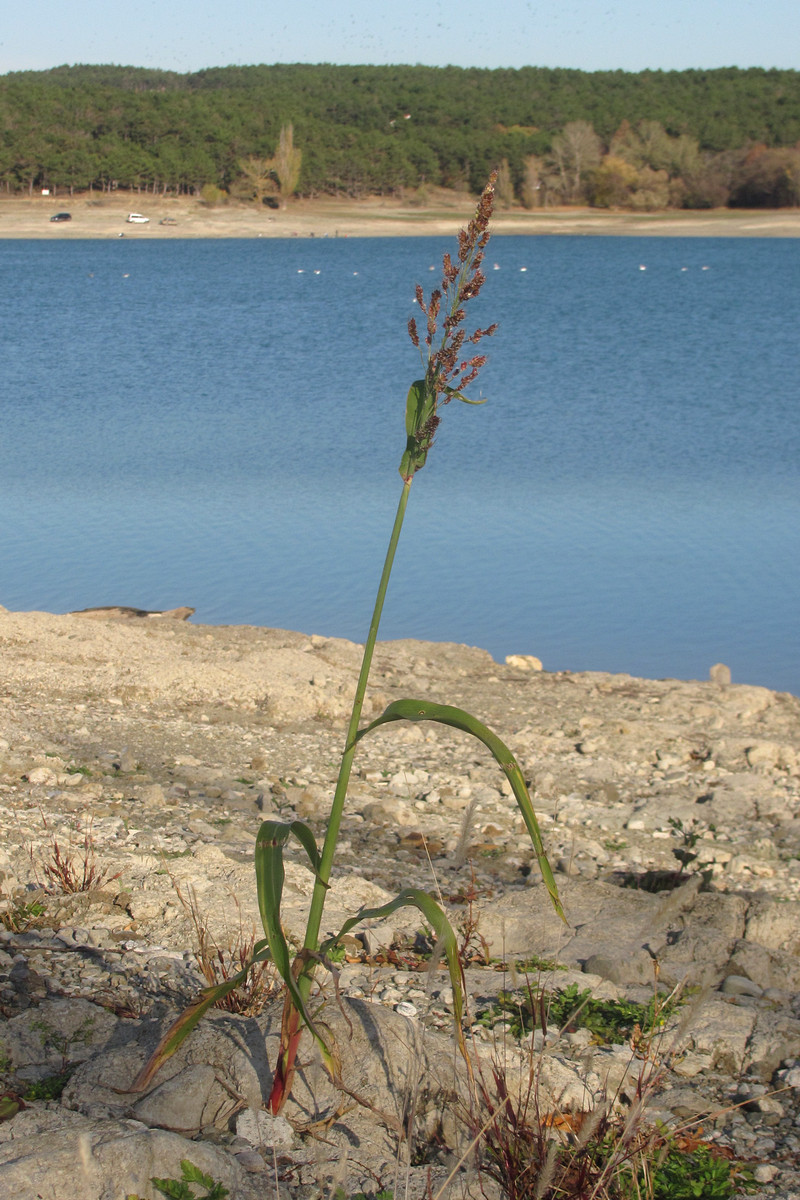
[647, 139]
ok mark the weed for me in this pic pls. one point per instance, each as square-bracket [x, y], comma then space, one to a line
[179, 1189]
[221, 963]
[10, 1104]
[535, 963]
[696, 1172]
[535, 1151]
[449, 366]
[666, 880]
[570, 1009]
[49, 1088]
[473, 949]
[74, 868]
[690, 836]
[17, 914]
[169, 855]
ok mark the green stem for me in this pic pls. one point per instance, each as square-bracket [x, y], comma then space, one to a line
[337, 808]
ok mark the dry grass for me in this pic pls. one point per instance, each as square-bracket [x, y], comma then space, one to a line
[220, 961]
[530, 1148]
[74, 867]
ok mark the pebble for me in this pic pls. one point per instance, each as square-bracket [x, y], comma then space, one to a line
[738, 985]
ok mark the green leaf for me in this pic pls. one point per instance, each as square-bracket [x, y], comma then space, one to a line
[454, 395]
[193, 1174]
[420, 407]
[436, 919]
[446, 714]
[175, 1189]
[10, 1105]
[270, 875]
[416, 407]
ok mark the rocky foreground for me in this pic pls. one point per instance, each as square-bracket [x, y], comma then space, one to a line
[149, 751]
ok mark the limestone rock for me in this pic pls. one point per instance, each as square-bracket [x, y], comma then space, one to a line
[719, 1032]
[182, 1103]
[187, 737]
[261, 1129]
[524, 662]
[774, 925]
[632, 967]
[103, 1160]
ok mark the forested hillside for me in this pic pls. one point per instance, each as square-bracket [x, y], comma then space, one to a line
[683, 138]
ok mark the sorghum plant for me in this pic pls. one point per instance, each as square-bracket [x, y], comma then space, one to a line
[448, 369]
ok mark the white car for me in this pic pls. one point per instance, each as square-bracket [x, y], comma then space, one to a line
[137, 219]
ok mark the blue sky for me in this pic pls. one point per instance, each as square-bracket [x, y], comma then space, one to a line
[186, 35]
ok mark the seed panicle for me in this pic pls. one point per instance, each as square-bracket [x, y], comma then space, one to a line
[447, 372]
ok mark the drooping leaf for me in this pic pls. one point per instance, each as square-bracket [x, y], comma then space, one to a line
[183, 1025]
[416, 898]
[446, 714]
[454, 395]
[270, 875]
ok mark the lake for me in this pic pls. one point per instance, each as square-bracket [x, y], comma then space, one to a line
[219, 424]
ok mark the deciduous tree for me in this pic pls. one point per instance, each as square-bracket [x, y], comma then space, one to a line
[258, 177]
[576, 150]
[288, 160]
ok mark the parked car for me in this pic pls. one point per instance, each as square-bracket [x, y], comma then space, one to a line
[61, 217]
[137, 219]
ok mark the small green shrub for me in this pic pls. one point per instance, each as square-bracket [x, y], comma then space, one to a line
[698, 1174]
[213, 195]
[178, 1189]
[18, 915]
[570, 1009]
[50, 1088]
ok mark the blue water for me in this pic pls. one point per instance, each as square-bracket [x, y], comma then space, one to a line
[215, 424]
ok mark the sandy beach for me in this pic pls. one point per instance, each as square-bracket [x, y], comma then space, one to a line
[99, 216]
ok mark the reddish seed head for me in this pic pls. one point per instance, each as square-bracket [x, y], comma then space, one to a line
[461, 281]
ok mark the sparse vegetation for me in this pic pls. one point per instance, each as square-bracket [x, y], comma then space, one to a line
[180, 1189]
[49, 1088]
[18, 913]
[535, 1150]
[73, 867]
[221, 962]
[571, 1008]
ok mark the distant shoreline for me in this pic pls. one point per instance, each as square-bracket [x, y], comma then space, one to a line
[103, 217]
